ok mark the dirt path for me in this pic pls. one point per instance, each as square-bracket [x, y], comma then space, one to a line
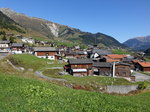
[40, 74]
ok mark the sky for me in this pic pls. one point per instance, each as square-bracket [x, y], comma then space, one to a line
[121, 19]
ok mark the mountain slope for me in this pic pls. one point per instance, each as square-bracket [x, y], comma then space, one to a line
[53, 30]
[139, 43]
[37, 25]
[147, 52]
[8, 24]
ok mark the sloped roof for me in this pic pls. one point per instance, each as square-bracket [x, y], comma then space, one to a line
[4, 42]
[136, 60]
[116, 56]
[75, 52]
[44, 49]
[144, 64]
[108, 59]
[80, 61]
[17, 44]
[102, 64]
[121, 63]
[102, 51]
[127, 59]
[113, 60]
[80, 52]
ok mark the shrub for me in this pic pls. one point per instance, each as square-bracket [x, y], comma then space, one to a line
[142, 85]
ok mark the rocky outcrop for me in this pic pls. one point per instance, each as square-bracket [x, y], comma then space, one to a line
[54, 28]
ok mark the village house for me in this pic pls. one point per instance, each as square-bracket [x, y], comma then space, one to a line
[80, 54]
[128, 59]
[62, 51]
[46, 52]
[80, 67]
[75, 54]
[69, 54]
[143, 66]
[86, 67]
[5, 46]
[17, 48]
[28, 40]
[18, 36]
[99, 53]
[102, 68]
[135, 64]
[123, 70]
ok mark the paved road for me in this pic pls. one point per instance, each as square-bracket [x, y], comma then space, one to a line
[3, 55]
[141, 77]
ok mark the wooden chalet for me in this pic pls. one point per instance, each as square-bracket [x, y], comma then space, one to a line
[128, 59]
[4, 48]
[46, 52]
[143, 66]
[80, 67]
[75, 54]
[102, 68]
[122, 69]
[17, 48]
[80, 54]
[98, 53]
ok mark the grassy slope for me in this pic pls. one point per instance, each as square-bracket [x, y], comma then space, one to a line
[38, 64]
[120, 51]
[20, 94]
[94, 80]
[32, 62]
[24, 94]
[9, 24]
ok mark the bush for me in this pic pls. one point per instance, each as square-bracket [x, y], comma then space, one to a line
[142, 86]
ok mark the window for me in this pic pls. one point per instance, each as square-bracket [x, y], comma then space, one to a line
[46, 54]
[124, 73]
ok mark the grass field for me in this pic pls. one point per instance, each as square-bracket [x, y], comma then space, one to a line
[27, 95]
[32, 62]
[20, 91]
[97, 80]
[120, 51]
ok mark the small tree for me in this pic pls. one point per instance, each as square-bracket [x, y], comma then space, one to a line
[142, 85]
[12, 39]
[4, 37]
[2, 33]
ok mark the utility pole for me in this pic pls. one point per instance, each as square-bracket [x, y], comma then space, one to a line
[113, 70]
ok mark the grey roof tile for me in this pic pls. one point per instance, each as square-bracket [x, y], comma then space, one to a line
[4, 42]
[102, 51]
[17, 44]
[102, 64]
[80, 61]
[44, 49]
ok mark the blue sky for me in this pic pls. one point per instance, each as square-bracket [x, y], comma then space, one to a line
[121, 19]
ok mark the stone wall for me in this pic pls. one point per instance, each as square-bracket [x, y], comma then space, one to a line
[121, 89]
